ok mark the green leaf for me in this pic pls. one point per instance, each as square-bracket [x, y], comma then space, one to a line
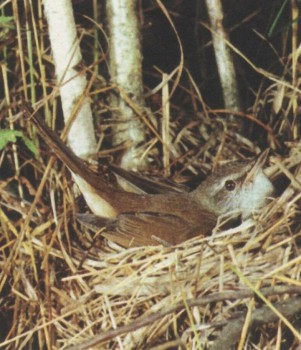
[7, 136]
[5, 19]
[30, 145]
[276, 20]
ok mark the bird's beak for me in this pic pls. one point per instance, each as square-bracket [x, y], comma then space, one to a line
[258, 165]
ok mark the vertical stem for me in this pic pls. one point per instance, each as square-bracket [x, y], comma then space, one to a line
[11, 126]
[223, 56]
[295, 15]
[72, 84]
[126, 74]
[166, 124]
[20, 46]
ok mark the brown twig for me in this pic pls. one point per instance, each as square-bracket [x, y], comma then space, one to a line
[230, 334]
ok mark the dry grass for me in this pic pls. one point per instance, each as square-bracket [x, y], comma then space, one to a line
[59, 290]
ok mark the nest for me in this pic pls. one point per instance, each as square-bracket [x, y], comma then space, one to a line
[240, 285]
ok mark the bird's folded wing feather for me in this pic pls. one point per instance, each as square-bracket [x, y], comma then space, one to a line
[146, 184]
[143, 228]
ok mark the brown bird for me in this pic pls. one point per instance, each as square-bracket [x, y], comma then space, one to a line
[132, 219]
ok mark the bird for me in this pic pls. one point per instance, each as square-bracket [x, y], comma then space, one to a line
[134, 219]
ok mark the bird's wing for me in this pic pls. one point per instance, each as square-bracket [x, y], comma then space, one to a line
[146, 183]
[143, 228]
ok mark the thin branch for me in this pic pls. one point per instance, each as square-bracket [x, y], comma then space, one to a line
[230, 335]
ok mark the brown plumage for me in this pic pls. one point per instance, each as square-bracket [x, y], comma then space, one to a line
[147, 219]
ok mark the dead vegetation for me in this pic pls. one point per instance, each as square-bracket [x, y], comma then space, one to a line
[62, 288]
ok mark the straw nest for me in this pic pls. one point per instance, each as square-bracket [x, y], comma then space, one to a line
[238, 286]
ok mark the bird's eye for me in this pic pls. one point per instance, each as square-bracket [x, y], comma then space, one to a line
[230, 185]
